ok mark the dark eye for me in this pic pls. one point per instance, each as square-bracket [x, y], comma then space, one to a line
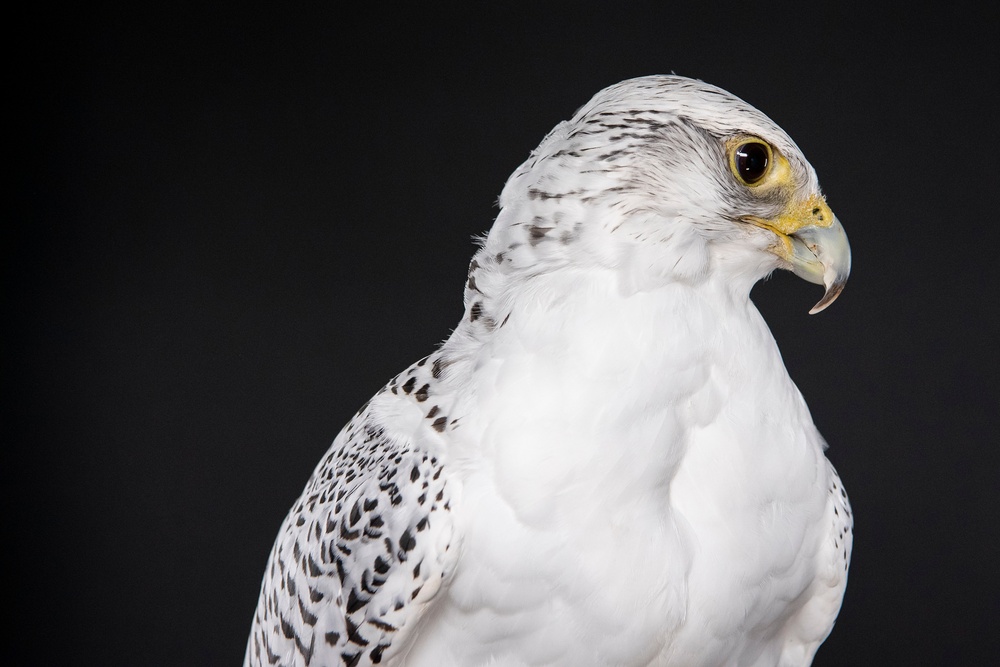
[751, 161]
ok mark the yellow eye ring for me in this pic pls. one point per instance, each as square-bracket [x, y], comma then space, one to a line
[751, 160]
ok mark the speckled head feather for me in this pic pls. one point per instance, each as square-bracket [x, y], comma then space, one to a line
[641, 170]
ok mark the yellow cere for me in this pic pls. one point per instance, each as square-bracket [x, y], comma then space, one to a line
[811, 212]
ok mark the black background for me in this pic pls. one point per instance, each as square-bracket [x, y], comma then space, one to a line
[231, 227]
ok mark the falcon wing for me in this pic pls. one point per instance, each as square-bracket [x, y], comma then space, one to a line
[366, 547]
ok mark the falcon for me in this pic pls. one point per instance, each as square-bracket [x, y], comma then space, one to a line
[606, 463]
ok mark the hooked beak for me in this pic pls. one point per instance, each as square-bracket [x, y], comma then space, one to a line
[813, 243]
[822, 255]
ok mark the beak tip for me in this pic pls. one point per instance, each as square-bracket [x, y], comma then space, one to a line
[819, 308]
[831, 294]
[822, 255]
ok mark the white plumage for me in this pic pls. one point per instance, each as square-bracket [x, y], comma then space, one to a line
[606, 463]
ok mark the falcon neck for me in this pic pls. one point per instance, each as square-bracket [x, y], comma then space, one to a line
[569, 368]
[595, 326]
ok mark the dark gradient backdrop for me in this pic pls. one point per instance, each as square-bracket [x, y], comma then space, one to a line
[232, 226]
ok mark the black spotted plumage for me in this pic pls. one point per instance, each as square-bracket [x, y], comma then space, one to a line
[341, 571]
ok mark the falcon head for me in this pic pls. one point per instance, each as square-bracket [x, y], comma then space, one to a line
[668, 178]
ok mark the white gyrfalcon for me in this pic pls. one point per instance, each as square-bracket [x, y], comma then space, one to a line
[606, 463]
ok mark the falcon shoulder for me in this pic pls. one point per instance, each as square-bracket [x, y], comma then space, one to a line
[366, 547]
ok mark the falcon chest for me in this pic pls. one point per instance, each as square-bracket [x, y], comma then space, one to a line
[639, 472]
